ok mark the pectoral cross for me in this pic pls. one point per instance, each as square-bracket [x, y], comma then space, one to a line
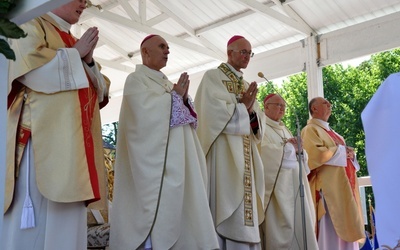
[284, 141]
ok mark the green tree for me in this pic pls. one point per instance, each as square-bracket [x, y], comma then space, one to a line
[8, 29]
[294, 92]
[110, 132]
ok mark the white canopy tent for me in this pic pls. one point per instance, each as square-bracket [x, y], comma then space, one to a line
[288, 36]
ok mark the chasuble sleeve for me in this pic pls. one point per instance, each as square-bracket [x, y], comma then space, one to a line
[215, 107]
[320, 147]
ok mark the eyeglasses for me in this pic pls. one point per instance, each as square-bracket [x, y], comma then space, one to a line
[245, 52]
[280, 105]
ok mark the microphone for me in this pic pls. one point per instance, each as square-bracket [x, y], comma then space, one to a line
[299, 155]
[261, 75]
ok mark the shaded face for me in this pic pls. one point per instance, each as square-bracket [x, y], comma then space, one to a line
[72, 11]
[322, 109]
[275, 108]
[155, 53]
[239, 53]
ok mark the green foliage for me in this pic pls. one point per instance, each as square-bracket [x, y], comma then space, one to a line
[110, 132]
[264, 90]
[294, 92]
[6, 5]
[6, 50]
[8, 29]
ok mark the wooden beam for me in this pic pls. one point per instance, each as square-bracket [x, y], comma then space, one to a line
[129, 10]
[263, 9]
[112, 17]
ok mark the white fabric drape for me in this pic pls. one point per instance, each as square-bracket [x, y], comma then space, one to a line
[382, 142]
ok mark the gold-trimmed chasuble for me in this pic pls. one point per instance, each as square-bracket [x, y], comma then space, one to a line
[235, 86]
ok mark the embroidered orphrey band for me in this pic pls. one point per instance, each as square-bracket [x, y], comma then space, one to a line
[235, 86]
[248, 192]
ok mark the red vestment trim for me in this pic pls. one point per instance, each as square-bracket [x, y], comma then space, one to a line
[23, 135]
[88, 100]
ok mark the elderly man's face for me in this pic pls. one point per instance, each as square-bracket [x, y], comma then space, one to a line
[156, 52]
[275, 108]
[239, 54]
[322, 109]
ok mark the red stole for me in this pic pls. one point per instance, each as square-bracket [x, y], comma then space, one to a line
[350, 169]
[88, 101]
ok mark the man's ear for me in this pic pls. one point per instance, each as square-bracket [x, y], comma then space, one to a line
[144, 51]
[314, 108]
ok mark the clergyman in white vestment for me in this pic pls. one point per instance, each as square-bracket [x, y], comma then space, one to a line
[160, 189]
[230, 126]
[283, 225]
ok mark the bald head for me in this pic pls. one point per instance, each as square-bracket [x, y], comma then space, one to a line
[320, 108]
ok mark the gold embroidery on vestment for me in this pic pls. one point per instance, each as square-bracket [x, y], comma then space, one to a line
[236, 86]
[248, 191]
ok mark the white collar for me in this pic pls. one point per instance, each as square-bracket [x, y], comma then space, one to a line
[237, 73]
[324, 124]
[64, 25]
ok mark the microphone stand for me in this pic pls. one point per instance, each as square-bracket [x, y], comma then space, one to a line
[300, 161]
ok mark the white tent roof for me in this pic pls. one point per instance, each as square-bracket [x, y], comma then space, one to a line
[197, 32]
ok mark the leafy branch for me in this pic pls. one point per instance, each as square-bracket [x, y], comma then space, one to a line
[8, 29]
